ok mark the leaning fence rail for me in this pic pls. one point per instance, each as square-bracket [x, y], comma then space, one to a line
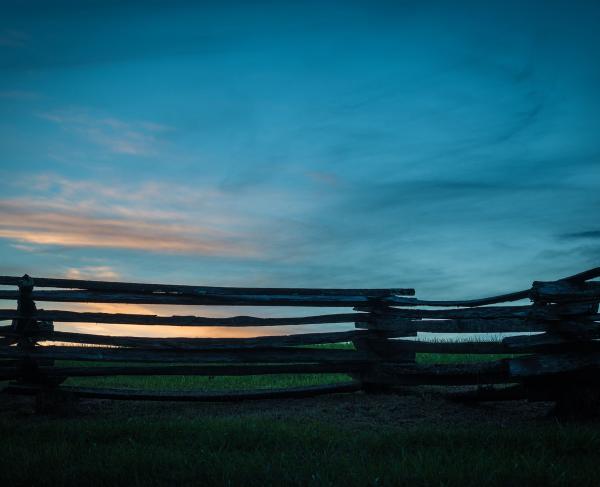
[563, 352]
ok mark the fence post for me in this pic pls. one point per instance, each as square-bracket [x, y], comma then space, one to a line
[49, 399]
[575, 395]
[25, 325]
[375, 345]
[26, 308]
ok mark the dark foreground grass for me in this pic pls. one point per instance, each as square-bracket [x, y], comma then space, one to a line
[139, 445]
[259, 452]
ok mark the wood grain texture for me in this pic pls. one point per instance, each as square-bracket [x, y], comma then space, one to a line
[347, 301]
[565, 291]
[138, 395]
[549, 342]
[495, 372]
[182, 343]
[545, 312]
[203, 370]
[497, 325]
[273, 355]
[501, 298]
[543, 365]
[142, 319]
[195, 291]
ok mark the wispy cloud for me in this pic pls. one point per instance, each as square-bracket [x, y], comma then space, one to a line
[324, 178]
[137, 138]
[588, 234]
[150, 217]
[13, 38]
[100, 272]
[150, 200]
[30, 223]
[19, 95]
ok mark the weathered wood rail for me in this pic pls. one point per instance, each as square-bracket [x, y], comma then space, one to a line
[560, 352]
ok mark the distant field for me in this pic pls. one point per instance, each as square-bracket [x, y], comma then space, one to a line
[245, 382]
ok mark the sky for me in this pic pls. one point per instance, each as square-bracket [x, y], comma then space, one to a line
[452, 147]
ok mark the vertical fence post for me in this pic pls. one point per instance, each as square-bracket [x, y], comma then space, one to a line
[26, 326]
[49, 399]
[574, 393]
[375, 345]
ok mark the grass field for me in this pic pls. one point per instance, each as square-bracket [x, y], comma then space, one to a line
[248, 382]
[350, 440]
[170, 450]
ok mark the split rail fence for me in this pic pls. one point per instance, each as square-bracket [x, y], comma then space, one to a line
[560, 351]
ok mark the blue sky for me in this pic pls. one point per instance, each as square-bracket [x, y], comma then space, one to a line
[448, 146]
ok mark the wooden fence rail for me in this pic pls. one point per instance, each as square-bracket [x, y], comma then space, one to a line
[561, 347]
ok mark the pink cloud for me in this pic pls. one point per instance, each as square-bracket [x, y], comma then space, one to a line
[29, 223]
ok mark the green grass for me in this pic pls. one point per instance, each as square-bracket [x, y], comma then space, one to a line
[260, 452]
[455, 358]
[187, 383]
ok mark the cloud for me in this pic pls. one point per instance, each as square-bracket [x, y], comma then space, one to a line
[25, 248]
[19, 95]
[30, 223]
[324, 178]
[102, 272]
[118, 136]
[590, 234]
[147, 200]
[13, 38]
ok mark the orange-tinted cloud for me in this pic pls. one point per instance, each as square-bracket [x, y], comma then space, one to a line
[30, 224]
[102, 272]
